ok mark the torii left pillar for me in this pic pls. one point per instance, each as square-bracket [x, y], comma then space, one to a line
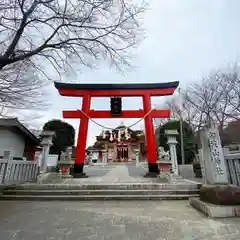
[82, 138]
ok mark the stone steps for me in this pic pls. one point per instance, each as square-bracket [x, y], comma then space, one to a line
[121, 191]
[70, 192]
[95, 197]
[115, 186]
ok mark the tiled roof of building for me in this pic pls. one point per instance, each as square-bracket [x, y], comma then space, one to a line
[14, 123]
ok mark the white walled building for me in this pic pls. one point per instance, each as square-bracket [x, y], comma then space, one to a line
[17, 139]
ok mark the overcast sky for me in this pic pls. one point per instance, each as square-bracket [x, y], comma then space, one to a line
[185, 40]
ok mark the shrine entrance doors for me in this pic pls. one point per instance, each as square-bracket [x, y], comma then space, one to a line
[122, 152]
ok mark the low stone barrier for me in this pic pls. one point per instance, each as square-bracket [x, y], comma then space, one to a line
[218, 201]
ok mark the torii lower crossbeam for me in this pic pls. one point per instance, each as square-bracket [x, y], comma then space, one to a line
[125, 114]
[102, 90]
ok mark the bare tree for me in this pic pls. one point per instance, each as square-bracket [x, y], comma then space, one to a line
[39, 38]
[21, 88]
[180, 108]
[62, 31]
[216, 98]
[35, 129]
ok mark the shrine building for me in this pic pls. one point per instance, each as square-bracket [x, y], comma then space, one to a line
[120, 144]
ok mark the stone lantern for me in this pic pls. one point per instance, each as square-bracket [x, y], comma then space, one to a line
[46, 143]
[172, 142]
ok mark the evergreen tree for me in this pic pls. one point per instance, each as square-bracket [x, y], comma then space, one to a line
[189, 139]
[64, 135]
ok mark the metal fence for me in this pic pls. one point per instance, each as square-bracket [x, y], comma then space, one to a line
[17, 171]
[233, 167]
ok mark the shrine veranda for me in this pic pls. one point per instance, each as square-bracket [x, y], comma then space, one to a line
[87, 91]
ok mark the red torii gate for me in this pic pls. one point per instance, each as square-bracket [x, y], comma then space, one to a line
[86, 91]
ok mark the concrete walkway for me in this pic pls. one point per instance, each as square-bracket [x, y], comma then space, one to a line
[118, 174]
[111, 220]
[114, 174]
[120, 220]
[110, 174]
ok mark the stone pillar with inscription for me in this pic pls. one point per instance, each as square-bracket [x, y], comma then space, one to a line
[215, 171]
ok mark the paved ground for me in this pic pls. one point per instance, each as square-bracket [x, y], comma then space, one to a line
[100, 173]
[136, 171]
[106, 220]
[113, 173]
[125, 220]
[110, 174]
[186, 171]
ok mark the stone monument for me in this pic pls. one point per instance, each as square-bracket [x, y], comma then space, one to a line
[212, 157]
[218, 198]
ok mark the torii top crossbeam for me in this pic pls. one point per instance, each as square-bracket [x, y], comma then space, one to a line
[108, 90]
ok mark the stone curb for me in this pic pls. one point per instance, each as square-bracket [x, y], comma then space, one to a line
[105, 186]
[71, 192]
[215, 211]
[94, 197]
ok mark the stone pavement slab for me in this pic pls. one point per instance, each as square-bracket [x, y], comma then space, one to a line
[134, 171]
[118, 173]
[120, 220]
[108, 174]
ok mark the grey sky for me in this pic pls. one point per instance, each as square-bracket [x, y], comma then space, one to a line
[185, 40]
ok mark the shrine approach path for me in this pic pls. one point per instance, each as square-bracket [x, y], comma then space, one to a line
[108, 220]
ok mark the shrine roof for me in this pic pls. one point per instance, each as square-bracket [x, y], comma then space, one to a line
[106, 86]
[121, 126]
